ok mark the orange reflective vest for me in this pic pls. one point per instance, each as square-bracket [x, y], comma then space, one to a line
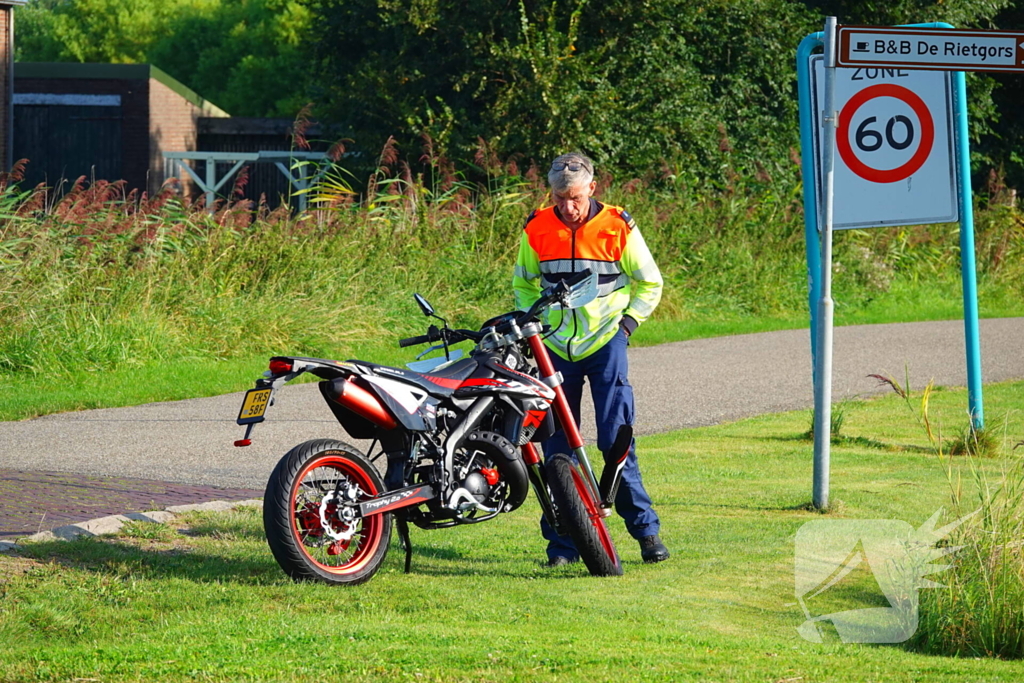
[610, 245]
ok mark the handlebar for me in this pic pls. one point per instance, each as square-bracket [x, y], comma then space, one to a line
[413, 341]
[433, 334]
[555, 292]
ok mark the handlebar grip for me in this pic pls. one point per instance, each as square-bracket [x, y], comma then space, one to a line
[414, 341]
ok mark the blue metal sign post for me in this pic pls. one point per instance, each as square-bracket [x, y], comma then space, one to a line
[814, 244]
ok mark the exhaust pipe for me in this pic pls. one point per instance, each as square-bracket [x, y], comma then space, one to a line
[360, 401]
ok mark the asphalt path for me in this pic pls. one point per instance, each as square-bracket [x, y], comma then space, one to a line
[677, 385]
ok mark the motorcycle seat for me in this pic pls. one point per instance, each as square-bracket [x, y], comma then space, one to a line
[441, 383]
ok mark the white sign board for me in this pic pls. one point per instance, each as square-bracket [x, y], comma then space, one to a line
[894, 162]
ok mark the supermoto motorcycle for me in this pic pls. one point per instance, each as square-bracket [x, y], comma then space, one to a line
[459, 436]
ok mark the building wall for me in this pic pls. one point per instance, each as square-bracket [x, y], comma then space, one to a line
[172, 128]
[157, 114]
[6, 18]
[135, 138]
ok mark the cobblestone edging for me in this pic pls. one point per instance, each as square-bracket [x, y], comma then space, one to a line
[112, 524]
[33, 501]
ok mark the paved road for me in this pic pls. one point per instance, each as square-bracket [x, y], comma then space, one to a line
[682, 384]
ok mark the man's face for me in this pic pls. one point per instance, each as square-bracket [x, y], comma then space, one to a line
[574, 203]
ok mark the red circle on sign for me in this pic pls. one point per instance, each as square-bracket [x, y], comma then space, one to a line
[908, 169]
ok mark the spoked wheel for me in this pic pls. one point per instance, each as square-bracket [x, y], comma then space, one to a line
[310, 514]
[580, 516]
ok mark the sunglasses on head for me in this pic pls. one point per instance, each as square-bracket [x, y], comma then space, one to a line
[571, 165]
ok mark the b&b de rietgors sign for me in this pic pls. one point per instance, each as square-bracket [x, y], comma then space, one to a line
[925, 48]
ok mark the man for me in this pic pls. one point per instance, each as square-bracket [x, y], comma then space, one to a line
[589, 343]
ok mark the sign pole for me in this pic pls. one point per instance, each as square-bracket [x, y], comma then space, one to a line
[968, 268]
[823, 371]
[812, 248]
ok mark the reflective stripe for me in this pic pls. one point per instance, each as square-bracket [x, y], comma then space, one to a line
[643, 308]
[649, 273]
[563, 265]
[519, 271]
[606, 288]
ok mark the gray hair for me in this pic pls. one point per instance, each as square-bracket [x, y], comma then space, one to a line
[564, 179]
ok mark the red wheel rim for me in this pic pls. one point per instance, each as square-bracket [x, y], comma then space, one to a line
[596, 520]
[367, 538]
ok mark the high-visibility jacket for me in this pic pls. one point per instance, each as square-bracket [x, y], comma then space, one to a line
[610, 245]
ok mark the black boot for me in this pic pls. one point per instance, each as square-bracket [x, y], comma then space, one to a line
[652, 549]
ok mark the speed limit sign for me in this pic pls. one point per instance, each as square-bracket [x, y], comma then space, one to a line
[894, 162]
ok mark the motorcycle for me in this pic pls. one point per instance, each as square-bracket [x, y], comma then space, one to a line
[460, 436]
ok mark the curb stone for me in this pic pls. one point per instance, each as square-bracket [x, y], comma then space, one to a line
[111, 524]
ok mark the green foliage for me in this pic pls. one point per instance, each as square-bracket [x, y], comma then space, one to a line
[653, 88]
[246, 56]
[634, 84]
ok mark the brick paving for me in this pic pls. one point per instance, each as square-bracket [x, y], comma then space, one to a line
[37, 501]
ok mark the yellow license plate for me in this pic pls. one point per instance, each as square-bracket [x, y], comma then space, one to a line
[254, 406]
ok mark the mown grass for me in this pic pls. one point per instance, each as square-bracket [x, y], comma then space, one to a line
[210, 603]
[108, 300]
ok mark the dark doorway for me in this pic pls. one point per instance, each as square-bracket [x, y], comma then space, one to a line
[63, 142]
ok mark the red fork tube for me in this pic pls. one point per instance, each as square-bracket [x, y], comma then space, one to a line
[567, 421]
[561, 405]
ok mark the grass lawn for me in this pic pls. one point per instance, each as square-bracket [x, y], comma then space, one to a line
[202, 599]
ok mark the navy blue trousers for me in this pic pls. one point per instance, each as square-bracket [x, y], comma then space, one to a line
[607, 371]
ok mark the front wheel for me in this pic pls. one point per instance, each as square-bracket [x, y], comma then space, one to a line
[311, 519]
[580, 516]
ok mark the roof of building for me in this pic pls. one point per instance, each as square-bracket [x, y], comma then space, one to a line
[127, 72]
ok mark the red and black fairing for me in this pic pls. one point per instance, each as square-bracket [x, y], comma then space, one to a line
[402, 397]
[529, 417]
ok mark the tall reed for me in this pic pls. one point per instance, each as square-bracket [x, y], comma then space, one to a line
[979, 611]
[96, 279]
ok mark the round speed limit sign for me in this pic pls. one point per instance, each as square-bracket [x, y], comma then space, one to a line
[894, 163]
[889, 148]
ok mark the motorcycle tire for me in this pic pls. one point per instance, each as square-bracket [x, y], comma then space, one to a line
[580, 516]
[299, 487]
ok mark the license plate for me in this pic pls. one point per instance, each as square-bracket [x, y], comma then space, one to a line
[254, 406]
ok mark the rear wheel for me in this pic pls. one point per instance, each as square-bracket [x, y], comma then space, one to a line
[310, 514]
[580, 516]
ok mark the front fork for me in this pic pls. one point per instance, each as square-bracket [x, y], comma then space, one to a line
[539, 481]
[603, 494]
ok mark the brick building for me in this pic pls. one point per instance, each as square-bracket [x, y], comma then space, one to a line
[6, 82]
[103, 121]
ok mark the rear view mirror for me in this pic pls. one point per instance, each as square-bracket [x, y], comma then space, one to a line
[424, 305]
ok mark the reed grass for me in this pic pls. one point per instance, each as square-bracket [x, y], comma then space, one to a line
[979, 611]
[96, 280]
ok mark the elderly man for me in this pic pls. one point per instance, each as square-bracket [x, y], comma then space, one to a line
[589, 343]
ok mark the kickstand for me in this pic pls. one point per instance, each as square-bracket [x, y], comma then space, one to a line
[403, 533]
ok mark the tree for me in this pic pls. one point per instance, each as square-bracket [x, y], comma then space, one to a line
[246, 56]
[634, 83]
